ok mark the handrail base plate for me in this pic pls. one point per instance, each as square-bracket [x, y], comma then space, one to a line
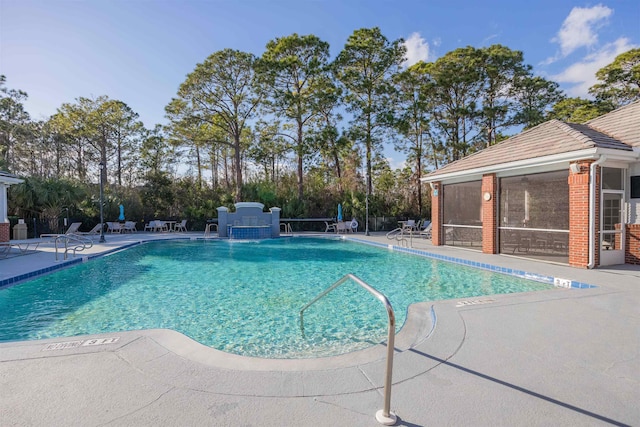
[386, 421]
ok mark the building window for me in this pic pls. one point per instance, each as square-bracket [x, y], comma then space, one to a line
[534, 216]
[612, 178]
[462, 214]
[635, 187]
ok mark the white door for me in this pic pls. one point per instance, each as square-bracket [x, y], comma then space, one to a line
[612, 233]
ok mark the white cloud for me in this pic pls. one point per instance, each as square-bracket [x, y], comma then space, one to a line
[579, 28]
[395, 164]
[582, 74]
[417, 49]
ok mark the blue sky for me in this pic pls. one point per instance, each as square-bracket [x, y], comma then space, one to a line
[139, 51]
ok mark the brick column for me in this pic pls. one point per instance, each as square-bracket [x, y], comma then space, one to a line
[579, 216]
[4, 232]
[437, 237]
[632, 244]
[489, 214]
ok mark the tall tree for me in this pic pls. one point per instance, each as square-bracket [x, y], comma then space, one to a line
[619, 81]
[155, 152]
[269, 149]
[577, 110]
[221, 91]
[364, 67]
[126, 132]
[414, 104]
[186, 130]
[14, 121]
[101, 130]
[500, 68]
[457, 82]
[293, 68]
[535, 97]
[327, 139]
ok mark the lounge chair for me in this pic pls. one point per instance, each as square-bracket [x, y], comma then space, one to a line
[94, 230]
[22, 247]
[182, 226]
[425, 231]
[73, 229]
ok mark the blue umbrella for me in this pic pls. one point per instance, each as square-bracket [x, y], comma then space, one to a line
[339, 212]
[121, 217]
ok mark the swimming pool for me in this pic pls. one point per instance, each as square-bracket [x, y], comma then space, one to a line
[241, 297]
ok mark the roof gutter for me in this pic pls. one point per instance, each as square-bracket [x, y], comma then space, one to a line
[588, 154]
[592, 208]
[518, 164]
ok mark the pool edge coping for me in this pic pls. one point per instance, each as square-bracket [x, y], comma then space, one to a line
[559, 282]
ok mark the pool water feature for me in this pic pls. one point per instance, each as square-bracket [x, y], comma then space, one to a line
[242, 297]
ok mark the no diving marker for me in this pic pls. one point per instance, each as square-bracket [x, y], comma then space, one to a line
[73, 344]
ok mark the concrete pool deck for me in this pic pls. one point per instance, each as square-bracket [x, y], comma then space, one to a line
[558, 357]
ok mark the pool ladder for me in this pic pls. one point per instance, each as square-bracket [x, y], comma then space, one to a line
[383, 416]
[400, 234]
[79, 243]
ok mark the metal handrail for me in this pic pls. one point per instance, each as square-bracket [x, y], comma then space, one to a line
[394, 233]
[383, 416]
[85, 241]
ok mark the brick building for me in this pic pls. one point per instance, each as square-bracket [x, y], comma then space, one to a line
[559, 192]
[6, 180]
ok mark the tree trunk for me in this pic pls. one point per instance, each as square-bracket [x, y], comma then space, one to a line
[368, 144]
[419, 171]
[300, 153]
[199, 166]
[236, 154]
[119, 162]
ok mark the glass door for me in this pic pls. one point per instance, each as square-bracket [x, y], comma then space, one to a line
[612, 225]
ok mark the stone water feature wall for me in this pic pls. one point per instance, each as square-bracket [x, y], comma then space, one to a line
[248, 221]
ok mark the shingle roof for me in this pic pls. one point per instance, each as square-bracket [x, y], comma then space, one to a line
[622, 124]
[619, 130]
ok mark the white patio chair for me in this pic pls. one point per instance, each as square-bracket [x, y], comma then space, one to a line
[114, 227]
[160, 225]
[343, 227]
[330, 227]
[182, 226]
[130, 227]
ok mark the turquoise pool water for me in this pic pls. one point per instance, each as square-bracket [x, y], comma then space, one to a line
[241, 297]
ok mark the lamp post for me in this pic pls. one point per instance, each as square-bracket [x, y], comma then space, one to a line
[101, 203]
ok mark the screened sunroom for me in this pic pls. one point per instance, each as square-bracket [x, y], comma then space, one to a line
[559, 192]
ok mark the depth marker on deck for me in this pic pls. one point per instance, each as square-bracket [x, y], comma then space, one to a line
[73, 344]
